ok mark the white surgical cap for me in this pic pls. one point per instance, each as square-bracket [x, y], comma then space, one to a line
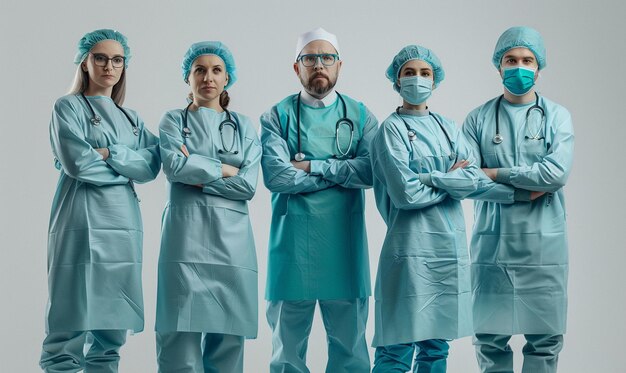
[317, 34]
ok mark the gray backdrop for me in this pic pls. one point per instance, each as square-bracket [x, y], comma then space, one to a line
[585, 73]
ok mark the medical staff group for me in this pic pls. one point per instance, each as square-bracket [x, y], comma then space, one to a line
[319, 150]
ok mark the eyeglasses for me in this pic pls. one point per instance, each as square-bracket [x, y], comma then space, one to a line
[102, 60]
[327, 59]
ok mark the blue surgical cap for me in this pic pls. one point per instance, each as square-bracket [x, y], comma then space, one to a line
[210, 47]
[414, 52]
[517, 37]
[92, 38]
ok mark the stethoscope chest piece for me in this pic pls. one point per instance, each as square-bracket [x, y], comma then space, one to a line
[96, 120]
[186, 131]
[412, 135]
[497, 139]
[299, 157]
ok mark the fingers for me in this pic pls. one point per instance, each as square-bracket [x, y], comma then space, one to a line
[183, 148]
[460, 164]
[535, 195]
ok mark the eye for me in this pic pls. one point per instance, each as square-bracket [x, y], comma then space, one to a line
[217, 70]
[426, 73]
[199, 70]
[308, 58]
[100, 58]
[118, 60]
[328, 58]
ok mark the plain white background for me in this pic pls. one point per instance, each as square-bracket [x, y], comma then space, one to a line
[585, 73]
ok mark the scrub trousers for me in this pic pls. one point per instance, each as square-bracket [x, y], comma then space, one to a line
[344, 321]
[431, 357]
[541, 353]
[63, 351]
[197, 352]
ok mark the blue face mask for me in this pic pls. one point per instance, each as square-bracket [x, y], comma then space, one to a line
[415, 89]
[518, 80]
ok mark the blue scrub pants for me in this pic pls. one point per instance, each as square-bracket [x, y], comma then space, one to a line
[197, 352]
[63, 351]
[541, 353]
[344, 321]
[431, 357]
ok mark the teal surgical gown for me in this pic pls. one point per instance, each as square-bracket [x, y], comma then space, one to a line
[318, 242]
[423, 281]
[519, 250]
[95, 235]
[207, 265]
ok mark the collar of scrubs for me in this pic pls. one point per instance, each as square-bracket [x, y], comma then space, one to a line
[326, 101]
[419, 113]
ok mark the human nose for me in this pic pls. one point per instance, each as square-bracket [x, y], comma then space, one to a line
[108, 65]
[318, 63]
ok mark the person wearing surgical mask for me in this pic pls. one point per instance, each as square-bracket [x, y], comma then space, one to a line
[95, 236]
[519, 242]
[422, 169]
[207, 299]
[316, 163]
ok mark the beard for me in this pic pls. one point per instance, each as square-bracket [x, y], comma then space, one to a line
[319, 87]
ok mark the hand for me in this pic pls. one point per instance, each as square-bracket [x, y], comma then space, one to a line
[460, 164]
[183, 149]
[491, 173]
[302, 165]
[535, 195]
[229, 171]
[104, 152]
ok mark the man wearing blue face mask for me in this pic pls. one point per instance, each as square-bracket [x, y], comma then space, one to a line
[519, 243]
[422, 169]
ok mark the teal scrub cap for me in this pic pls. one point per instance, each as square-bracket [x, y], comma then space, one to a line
[517, 37]
[92, 38]
[210, 47]
[414, 52]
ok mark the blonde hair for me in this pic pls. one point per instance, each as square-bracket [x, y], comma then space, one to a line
[81, 83]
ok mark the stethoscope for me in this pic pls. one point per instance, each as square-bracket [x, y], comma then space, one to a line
[342, 121]
[96, 119]
[412, 134]
[228, 122]
[497, 139]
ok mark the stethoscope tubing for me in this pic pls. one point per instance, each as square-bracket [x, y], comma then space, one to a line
[299, 156]
[226, 122]
[96, 119]
[412, 134]
[498, 138]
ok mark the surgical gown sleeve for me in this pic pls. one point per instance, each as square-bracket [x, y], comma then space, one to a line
[390, 158]
[351, 173]
[279, 175]
[76, 156]
[141, 164]
[193, 170]
[550, 174]
[487, 189]
[461, 182]
[243, 185]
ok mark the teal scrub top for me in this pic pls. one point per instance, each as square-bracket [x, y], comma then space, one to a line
[423, 281]
[207, 264]
[519, 250]
[318, 242]
[95, 234]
